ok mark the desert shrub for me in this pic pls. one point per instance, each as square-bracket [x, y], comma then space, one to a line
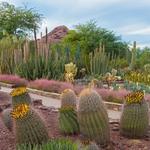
[50, 85]
[13, 79]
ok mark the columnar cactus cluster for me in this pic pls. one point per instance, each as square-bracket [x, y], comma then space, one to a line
[30, 128]
[67, 113]
[93, 117]
[135, 116]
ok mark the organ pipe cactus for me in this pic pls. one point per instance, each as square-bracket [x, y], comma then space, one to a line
[93, 117]
[67, 113]
[135, 116]
[29, 127]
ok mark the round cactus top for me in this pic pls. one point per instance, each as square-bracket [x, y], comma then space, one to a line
[20, 111]
[135, 97]
[68, 98]
[90, 100]
[18, 91]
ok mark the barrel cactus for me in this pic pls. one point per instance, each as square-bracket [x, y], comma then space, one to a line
[7, 119]
[29, 127]
[68, 122]
[93, 117]
[19, 96]
[68, 98]
[135, 119]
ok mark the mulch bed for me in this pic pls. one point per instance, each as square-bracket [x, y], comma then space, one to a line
[50, 116]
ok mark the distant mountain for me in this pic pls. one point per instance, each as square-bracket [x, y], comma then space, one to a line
[55, 35]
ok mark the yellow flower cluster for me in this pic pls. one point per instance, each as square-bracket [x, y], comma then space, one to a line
[18, 91]
[20, 111]
[135, 97]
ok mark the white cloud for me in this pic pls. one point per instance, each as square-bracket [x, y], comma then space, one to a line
[135, 29]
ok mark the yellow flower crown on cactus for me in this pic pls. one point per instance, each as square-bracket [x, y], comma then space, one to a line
[18, 91]
[20, 111]
[135, 97]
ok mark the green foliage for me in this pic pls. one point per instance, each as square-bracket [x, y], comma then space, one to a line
[143, 57]
[89, 35]
[8, 58]
[56, 144]
[93, 117]
[131, 86]
[17, 20]
[134, 120]
[31, 129]
[6, 118]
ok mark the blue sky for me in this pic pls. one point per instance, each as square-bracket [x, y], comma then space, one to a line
[128, 18]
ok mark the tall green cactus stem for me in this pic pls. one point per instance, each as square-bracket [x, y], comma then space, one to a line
[134, 120]
[67, 113]
[30, 129]
[68, 98]
[133, 59]
[7, 119]
[93, 117]
[21, 98]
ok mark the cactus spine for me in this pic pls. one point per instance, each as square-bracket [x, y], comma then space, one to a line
[93, 117]
[134, 120]
[67, 113]
[7, 119]
[19, 96]
[29, 127]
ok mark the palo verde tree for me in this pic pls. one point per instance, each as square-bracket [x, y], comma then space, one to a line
[18, 21]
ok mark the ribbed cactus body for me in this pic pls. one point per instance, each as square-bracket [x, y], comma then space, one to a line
[7, 119]
[68, 98]
[24, 98]
[30, 129]
[134, 120]
[68, 122]
[93, 117]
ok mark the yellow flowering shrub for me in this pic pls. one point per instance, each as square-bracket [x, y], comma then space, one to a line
[18, 91]
[20, 111]
[135, 97]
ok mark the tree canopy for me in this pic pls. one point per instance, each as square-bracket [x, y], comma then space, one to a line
[18, 20]
[89, 36]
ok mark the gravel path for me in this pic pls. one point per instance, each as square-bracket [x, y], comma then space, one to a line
[6, 138]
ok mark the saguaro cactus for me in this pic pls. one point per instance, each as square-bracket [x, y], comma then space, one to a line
[93, 117]
[135, 117]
